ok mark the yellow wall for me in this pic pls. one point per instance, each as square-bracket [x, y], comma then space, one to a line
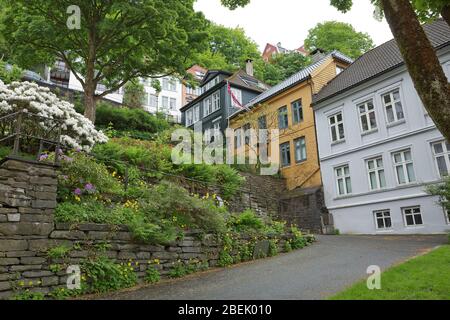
[307, 173]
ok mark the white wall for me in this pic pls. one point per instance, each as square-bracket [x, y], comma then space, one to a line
[117, 97]
[354, 213]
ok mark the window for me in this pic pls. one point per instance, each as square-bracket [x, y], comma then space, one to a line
[214, 131]
[383, 219]
[447, 214]
[238, 94]
[210, 84]
[297, 112]
[153, 101]
[283, 120]
[262, 122]
[375, 171]
[300, 149]
[285, 154]
[412, 216]
[172, 85]
[196, 113]
[238, 137]
[393, 106]
[165, 102]
[145, 99]
[344, 184]
[173, 104]
[189, 118]
[165, 84]
[337, 127]
[215, 101]
[367, 116]
[441, 153]
[247, 133]
[404, 167]
[208, 106]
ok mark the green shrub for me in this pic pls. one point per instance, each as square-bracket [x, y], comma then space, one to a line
[228, 179]
[103, 275]
[273, 248]
[125, 119]
[9, 75]
[82, 175]
[28, 295]
[247, 221]
[58, 252]
[287, 246]
[152, 275]
[92, 211]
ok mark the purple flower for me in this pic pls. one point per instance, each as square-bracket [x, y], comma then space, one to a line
[78, 192]
[89, 187]
[43, 157]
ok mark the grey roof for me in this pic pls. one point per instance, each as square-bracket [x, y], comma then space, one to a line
[384, 58]
[297, 78]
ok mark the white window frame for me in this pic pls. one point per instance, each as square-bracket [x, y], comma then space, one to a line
[215, 101]
[344, 177]
[386, 214]
[394, 108]
[173, 104]
[163, 100]
[189, 118]
[445, 154]
[404, 164]
[378, 171]
[335, 127]
[207, 106]
[366, 115]
[196, 113]
[405, 214]
[303, 147]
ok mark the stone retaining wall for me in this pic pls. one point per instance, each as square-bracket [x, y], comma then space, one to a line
[27, 232]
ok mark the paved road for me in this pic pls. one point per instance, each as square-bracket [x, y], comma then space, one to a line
[325, 268]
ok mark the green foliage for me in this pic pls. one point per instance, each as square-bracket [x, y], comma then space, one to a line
[181, 269]
[59, 252]
[125, 40]
[152, 275]
[246, 221]
[124, 119]
[28, 295]
[134, 95]
[287, 246]
[280, 67]
[442, 190]
[9, 74]
[82, 175]
[103, 275]
[5, 151]
[225, 258]
[334, 35]
[273, 248]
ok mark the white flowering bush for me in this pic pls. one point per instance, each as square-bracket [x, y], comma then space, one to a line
[77, 131]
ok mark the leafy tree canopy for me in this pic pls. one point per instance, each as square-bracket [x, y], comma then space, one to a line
[333, 35]
[117, 40]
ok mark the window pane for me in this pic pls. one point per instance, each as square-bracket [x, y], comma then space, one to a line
[373, 120]
[380, 163]
[346, 171]
[411, 174]
[380, 223]
[438, 148]
[407, 155]
[341, 131]
[332, 120]
[398, 157]
[387, 98]
[400, 175]
[442, 165]
[341, 186]
[339, 117]
[409, 220]
[370, 106]
[396, 95]
[339, 172]
[371, 164]
[388, 222]
[418, 219]
[362, 109]
[333, 134]
[390, 114]
[348, 184]
[373, 181]
[399, 110]
[382, 179]
[365, 124]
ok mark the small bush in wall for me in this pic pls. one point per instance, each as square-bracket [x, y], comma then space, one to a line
[59, 252]
[287, 246]
[103, 275]
[28, 295]
[152, 275]
[273, 248]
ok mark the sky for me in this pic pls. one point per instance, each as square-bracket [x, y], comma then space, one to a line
[288, 21]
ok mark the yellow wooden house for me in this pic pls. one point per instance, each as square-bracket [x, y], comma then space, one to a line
[287, 107]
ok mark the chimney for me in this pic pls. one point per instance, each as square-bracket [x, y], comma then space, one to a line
[249, 67]
[317, 54]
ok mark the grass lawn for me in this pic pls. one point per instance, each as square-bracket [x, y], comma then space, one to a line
[423, 278]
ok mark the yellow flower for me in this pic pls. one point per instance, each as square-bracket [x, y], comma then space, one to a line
[114, 174]
[157, 261]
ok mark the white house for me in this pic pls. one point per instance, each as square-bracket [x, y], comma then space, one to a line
[379, 149]
[169, 101]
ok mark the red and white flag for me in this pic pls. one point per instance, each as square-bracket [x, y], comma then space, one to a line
[235, 100]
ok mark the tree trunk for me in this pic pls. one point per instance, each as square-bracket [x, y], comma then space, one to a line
[90, 85]
[445, 13]
[421, 60]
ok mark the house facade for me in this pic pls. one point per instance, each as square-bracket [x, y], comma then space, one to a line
[189, 92]
[287, 107]
[214, 106]
[270, 50]
[379, 149]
